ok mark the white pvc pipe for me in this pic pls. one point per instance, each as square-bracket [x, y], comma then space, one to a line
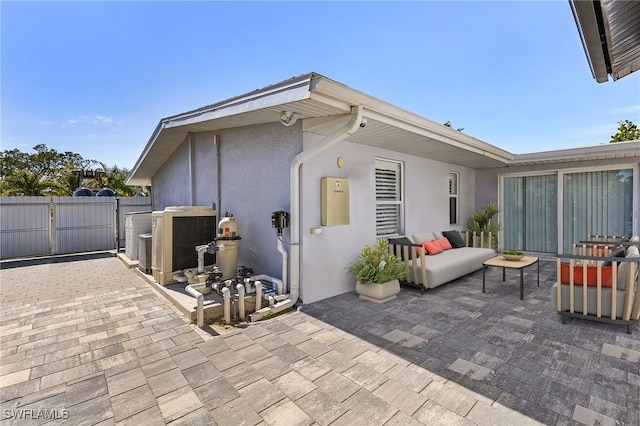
[258, 295]
[279, 284]
[200, 307]
[240, 289]
[294, 177]
[201, 250]
[285, 266]
[226, 306]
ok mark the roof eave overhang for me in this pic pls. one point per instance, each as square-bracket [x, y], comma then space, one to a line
[292, 90]
[623, 151]
[609, 32]
[330, 91]
[171, 131]
[584, 14]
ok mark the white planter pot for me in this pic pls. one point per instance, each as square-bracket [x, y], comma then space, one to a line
[378, 293]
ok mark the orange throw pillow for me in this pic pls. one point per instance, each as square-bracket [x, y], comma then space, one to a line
[443, 243]
[432, 247]
[592, 275]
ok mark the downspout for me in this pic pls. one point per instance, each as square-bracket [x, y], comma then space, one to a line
[216, 145]
[330, 140]
[192, 172]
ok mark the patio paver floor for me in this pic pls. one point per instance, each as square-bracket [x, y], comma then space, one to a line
[500, 350]
[86, 335]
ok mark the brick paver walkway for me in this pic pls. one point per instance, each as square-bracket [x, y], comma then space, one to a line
[88, 341]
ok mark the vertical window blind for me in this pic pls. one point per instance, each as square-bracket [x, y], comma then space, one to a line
[597, 203]
[530, 213]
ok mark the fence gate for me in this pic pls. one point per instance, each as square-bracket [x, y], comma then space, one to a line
[83, 224]
[35, 226]
[25, 226]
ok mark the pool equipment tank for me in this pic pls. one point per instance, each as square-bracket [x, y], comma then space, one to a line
[227, 241]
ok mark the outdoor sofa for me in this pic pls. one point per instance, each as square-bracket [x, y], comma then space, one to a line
[428, 267]
[599, 282]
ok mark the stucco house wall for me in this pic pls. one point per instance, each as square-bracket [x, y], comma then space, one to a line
[254, 171]
[325, 257]
[170, 185]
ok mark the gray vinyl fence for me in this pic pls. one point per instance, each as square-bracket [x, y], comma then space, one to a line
[34, 226]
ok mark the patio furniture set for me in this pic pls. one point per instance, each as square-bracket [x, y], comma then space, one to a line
[599, 281]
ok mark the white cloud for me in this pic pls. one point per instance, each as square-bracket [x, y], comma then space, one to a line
[92, 120]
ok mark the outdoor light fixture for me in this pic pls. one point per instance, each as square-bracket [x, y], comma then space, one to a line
[288, 118]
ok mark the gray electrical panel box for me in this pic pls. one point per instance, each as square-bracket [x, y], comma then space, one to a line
[335, 201]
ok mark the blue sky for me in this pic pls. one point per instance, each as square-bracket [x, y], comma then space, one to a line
[96, 77]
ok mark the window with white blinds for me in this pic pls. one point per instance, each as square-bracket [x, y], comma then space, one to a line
[454, 178]
[389, 202]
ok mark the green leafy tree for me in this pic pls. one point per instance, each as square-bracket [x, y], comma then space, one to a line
[627, 131]
[116, 178]
[49, 172]
[27, 183]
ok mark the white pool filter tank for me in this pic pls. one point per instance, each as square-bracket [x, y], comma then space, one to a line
[227, 240]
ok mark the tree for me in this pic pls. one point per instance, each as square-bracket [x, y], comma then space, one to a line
[27, 183]
[49, 172]
[627, 131]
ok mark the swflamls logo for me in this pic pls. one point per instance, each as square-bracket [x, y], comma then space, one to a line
[35, 413]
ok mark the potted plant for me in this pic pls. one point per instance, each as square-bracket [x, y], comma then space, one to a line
[377, 272]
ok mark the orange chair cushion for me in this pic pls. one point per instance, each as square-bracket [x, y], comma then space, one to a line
[592, 275]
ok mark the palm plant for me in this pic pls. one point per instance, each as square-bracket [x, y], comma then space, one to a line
[481, 221]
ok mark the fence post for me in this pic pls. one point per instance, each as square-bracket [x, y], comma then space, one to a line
[117, 221]
[52, 226]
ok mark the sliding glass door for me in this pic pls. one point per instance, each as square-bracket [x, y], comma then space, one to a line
[549, 213]
[530, 212]
[597, 203]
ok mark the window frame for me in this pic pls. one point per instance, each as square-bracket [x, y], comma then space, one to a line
[399, 167]
[455, 197]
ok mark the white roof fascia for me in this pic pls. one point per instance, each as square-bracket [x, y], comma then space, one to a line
[283, 95]
[611, 150]
[387, 113]
[288, 91]
[585, 18]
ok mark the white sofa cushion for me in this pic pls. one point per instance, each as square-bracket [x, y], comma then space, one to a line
[422, 236]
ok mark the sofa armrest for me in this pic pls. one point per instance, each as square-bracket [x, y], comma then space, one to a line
[409, 254]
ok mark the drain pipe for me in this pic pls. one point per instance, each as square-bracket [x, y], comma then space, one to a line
[216, 145]
[330, 140]
[285, 266]
[200, 301]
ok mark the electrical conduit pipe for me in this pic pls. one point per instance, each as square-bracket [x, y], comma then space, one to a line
[330, 140]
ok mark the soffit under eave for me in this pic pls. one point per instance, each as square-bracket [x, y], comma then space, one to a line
[616, 37]
[170, 135]
[403, 122]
